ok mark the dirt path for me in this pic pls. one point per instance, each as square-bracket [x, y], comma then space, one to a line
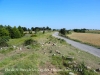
[84, 47]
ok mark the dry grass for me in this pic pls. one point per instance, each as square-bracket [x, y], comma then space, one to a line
[93, 39]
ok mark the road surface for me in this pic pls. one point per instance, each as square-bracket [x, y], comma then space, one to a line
[84, 47]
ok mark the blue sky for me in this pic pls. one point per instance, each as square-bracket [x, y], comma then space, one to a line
[67, 14]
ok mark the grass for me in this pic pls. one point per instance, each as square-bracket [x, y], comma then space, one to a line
[25, 67]
[87, 38]
[33, 56]
[93, 31]
[8, 60]
[62, 63]
[7, 50]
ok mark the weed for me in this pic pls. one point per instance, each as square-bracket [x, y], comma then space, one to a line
[5, 51]
[34, 35]
[27, 66]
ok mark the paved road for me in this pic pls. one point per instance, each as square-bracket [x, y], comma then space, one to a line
[84, 47]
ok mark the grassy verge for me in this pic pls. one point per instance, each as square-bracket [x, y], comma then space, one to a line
[27, 66]
[67, 65]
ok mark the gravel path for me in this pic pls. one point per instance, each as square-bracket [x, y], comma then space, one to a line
[84, 47]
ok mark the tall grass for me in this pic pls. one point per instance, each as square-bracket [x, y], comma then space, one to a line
[28, 66]
[5, 51]
[11, 59]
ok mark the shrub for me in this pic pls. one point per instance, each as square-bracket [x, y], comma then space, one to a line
[33, 35]
[30, 32]
[62, 31]
[30, 42]
[3, 41]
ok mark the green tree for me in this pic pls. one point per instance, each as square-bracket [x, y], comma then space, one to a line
[21, 30]
[4, 32]
[62, 31]
[16, 33]
[24, 28]
[9, 28]
[32, 28]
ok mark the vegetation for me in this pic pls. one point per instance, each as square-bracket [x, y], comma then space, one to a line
[30, 42]
[88, 38]
[12, 32]
[62, 63]
[80, 30]
[30, 54]
[63, 31]
[21, 30]
[4, 40]
[3, 32]
[93, 31]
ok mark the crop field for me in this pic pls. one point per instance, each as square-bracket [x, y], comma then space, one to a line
[50, 53]
[89, 38]
[93, 31]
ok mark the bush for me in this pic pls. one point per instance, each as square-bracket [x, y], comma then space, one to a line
[33, 35]
[30, 42]
[62, 31]
[3, 41]
[30, 32]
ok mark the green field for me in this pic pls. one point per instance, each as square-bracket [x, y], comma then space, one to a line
[50, 53]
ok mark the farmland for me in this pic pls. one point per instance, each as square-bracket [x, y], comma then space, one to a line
[93, 31]
[88, 38]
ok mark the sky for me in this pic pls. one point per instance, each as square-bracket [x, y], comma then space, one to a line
[56, 14]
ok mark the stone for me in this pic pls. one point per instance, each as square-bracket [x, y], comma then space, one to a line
[71, 73]
[70, 58]
[53, 54]
[20, 48]
[98, 70]
[88, 67]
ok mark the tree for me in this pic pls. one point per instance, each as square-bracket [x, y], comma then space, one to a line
[24, 28]
[63, 31]
[21, 30]
[30, 32]
[43, 30]
[36, 31]
[48, 28]
[16, 33]
[4, 32]
[80, 30]
[33, 29]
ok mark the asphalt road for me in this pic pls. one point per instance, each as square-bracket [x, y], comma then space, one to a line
[84, 47]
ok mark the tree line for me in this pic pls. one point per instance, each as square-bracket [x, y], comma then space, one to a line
[63, 31]
[80, 30]
[17, 32]
[36, 28]
[7, 32]
[12, 32]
